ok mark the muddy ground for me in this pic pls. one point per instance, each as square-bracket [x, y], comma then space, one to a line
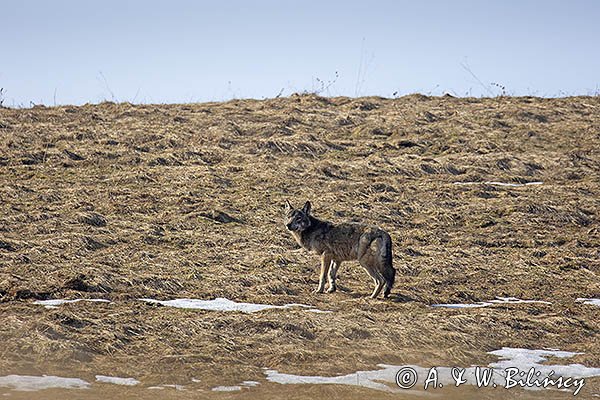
[121, 202]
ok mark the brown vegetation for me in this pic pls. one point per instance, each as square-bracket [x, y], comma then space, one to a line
[122, 201]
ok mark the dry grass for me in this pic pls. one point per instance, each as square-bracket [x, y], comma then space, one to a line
[168, 201]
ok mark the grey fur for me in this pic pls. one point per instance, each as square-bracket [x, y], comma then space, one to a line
[367, 244]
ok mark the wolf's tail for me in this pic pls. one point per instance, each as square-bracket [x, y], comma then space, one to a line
[389, 273]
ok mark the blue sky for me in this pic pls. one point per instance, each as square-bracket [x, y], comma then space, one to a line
[74, 52]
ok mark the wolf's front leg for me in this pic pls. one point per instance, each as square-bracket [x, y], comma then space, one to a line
[325, 264]
[332, 275]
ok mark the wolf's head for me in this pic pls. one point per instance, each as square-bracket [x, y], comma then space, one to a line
[297, 220]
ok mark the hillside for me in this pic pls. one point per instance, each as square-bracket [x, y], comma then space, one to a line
[122, 202]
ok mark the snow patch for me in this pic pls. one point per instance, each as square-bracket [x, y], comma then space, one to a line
[222, 304]
[497, 300]
[368, 379]
[594, 302]
[235, 388]
[116, 380]
[226, 388]
[384, 379]
[29, 383]
[54, 303]
[176, 387]
[506, 184]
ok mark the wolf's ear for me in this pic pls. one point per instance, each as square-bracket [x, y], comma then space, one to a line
[306, 207]
[288, 206]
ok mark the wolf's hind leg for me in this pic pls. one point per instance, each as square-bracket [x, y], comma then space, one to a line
[325, 265]
[385, 261]
[368, 262]
[379, 282]
[389, 275]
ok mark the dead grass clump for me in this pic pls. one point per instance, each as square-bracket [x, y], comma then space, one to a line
[93, 219]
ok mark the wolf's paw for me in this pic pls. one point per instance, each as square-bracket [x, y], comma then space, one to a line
[318, 290]
[331, 289]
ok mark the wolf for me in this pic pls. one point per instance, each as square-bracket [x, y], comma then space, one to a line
[369, 245]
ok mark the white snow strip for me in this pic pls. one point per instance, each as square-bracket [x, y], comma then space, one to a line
[461, 305]
[368, 379]
[316, 310]
[507, 184]
[384, 379]
[514, 300]
[176, 387]
[116, 380]
[524, 359]
[222, 304]
[57, 302]
[235, 388]
[497, 300]
[226, 388]
[594, 302]
[28, 383]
